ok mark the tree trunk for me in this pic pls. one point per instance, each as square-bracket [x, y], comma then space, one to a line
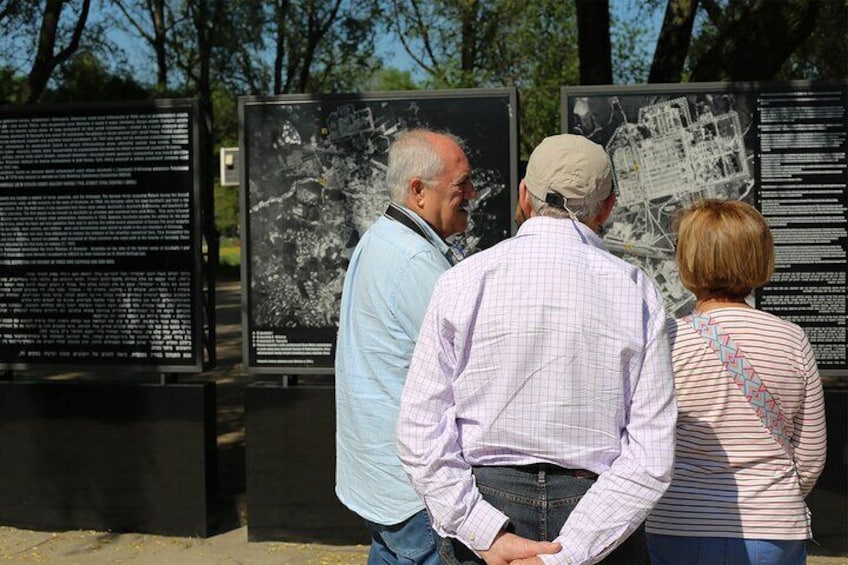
[157, 12]
[46, 60]
[594, 41]
[317, 29]
[281, 9]
[468, 30]
[149, 20]
[673, 43]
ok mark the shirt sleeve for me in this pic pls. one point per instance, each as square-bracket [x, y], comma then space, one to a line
[810, 436]
[427, 441]
[624, 495]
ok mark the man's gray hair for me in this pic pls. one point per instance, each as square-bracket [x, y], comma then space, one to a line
[412, 155]
[582, 211]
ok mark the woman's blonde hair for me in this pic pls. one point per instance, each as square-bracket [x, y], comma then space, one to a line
[724, 249]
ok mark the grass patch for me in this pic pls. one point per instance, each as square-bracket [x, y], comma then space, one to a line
[230, 255]
[229, 258]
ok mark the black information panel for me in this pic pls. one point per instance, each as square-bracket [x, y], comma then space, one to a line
[783, 147]
[314, 181]
[99, 236]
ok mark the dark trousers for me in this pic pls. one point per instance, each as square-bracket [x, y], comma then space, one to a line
[538, 500]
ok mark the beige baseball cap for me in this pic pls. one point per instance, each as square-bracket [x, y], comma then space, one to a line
[570, 165]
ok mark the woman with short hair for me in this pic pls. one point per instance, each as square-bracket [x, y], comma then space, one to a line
[751, 424]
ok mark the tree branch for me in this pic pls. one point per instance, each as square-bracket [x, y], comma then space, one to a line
[714, 12]
[133, 21]
[425, 35]
[73, 45]
[401, 33]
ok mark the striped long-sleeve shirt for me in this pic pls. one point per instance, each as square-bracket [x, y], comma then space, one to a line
[731, 478]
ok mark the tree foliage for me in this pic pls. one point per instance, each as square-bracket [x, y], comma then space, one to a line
[337, 47]
[217, 50]
[824, 53]
[227, 210]
[11, 86]
[391, 79]
[152, 21]
[457, 43]
[85, 77]
[19, 25]
[468, 43]
[631, 37]
[286, 46]
[750, 40]
[758, 40]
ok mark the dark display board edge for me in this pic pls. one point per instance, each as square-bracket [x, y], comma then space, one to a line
[379, 95]
[688, 87]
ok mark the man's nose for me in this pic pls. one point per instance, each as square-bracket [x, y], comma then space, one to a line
[469, 191]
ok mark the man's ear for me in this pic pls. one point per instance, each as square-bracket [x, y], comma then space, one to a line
[415, 194]
[606, 208]
[524, 199]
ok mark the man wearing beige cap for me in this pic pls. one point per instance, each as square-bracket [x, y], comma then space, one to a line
[539, 404]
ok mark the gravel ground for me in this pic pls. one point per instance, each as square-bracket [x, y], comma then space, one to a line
[230, 548]
[102, 548]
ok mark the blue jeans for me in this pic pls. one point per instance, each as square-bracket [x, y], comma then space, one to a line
[690, 550]
[412, 542]
[537, 502]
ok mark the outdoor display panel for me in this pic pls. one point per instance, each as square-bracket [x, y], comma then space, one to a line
[313, 182]
[100, 247]
[779, 146]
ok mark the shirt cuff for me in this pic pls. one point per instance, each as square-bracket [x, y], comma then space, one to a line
[561, 558]
[564, 556]
[483, 524]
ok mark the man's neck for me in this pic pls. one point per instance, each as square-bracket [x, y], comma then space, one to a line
[418, 212]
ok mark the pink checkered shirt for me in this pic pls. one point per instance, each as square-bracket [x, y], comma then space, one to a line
[544, 348]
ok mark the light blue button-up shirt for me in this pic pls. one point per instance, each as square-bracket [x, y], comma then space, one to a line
[387, 288]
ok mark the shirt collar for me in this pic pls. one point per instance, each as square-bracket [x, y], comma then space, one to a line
[572, 229]
[433, 237]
